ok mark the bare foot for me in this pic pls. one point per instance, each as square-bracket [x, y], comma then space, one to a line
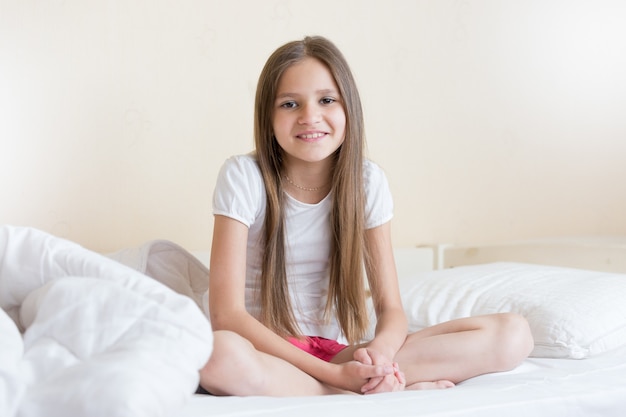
[430, 385]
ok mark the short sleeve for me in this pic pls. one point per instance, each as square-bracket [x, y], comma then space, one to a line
[379, 201]
[239, 191]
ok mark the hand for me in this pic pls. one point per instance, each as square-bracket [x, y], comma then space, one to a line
[354, 375]
[388, 383]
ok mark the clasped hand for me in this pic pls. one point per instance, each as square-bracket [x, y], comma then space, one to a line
[372, 373]
[394, 381]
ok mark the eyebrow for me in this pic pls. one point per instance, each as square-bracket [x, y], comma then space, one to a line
[323, 91]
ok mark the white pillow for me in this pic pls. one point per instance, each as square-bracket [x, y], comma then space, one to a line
[572, 313]
[170, 264]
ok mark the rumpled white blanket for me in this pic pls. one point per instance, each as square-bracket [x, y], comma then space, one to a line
[83, 335]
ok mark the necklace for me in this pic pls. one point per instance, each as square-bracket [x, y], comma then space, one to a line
[301, 187]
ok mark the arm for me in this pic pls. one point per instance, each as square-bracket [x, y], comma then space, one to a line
[391, 327]
[228, 312]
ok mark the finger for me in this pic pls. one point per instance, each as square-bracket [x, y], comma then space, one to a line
[399, 374]
[401, 379]
[387, 384]
[382, 370]
[375, 376]
[371, 384]
[373, 371]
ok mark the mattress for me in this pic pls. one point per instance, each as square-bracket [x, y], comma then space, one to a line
[539, 387]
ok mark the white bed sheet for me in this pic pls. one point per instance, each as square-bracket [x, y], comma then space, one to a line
[538, 388]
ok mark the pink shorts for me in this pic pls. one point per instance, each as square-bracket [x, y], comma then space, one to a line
[320, 347]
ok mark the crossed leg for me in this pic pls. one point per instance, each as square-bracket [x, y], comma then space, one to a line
[435, 357]
[464, 348]
[448, 353]
[237, 368]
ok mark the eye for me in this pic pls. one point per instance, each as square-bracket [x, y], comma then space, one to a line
[327, 100]
[289, 105]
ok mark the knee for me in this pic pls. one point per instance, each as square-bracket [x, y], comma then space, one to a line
[230, 352]
[228, 346]
[515, 339]
[232, 362]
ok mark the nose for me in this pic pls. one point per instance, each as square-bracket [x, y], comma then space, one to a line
[309, 114]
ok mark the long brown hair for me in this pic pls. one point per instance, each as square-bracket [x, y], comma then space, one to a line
[346, 292]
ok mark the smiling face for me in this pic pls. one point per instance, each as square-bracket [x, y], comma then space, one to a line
[309, 120]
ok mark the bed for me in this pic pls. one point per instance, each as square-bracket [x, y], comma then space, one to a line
[571, 290]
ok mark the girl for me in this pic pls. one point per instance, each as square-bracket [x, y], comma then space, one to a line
[298, 223]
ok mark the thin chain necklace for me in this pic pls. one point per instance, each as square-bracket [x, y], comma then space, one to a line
[301, 187]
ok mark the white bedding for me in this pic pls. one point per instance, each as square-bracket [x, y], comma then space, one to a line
[561, 304]
[99, 338]
[538, 388]
[103, 339]
[573, 313]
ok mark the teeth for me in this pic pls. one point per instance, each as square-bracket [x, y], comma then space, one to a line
[312, 136]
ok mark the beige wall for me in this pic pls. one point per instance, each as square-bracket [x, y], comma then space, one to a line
[493, 119]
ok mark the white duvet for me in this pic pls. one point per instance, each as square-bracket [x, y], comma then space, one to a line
[82, 335]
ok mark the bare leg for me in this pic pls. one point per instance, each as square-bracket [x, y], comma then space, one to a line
[445, 354]
[460, 349]
[237, 368]
[348, 354]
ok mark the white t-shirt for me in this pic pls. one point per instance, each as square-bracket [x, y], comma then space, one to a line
[240, 195]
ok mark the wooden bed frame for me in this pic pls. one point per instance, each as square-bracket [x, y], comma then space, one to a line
[606, 254]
